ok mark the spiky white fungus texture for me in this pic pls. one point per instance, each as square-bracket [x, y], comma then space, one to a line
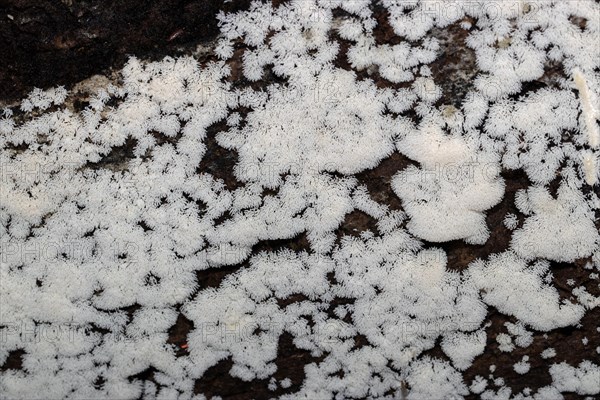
[326, 124]
[548, 353]
[286, 383]
[429, 377]
[102, 253]
[522, 367]
[560, 229]
[505, 342]
[505, 275]
[479, 384]
[511, 221]
[523, 337]
[583, 379]
[463, 348]
[446, 197]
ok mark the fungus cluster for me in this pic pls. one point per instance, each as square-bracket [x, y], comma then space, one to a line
[102, 247]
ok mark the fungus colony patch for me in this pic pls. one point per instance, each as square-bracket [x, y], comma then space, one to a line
[311, 189]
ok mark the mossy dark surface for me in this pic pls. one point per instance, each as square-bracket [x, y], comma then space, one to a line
[45, 43]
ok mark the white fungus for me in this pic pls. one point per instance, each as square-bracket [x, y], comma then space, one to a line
[583, 379]
[522, 336]
[505, 342]
[522, 367]
[104, 256]
[548, 353]
[560, 229]
[479, 384]
[446, 198]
